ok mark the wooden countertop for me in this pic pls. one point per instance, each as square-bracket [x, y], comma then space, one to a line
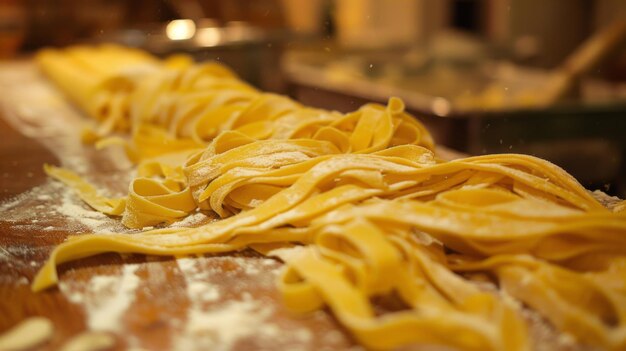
[219, 302]
[162, 309]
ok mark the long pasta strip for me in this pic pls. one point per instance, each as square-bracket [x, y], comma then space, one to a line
[376, 213]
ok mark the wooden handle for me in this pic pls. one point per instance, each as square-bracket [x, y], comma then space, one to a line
[585, 58]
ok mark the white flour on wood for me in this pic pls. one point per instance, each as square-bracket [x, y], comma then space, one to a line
[105, 298]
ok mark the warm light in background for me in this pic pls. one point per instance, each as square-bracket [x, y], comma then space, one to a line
[208, 37]
[441, 107]
[181, 29]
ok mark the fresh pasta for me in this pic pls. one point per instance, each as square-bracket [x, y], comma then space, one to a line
[361, 199]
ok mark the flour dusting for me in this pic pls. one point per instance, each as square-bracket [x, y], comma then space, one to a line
[216, 325]
[105, 298]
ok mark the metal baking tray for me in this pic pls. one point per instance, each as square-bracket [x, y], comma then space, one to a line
[586, 138]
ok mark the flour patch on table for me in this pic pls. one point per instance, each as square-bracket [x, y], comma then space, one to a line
[218, 326]
[222, 327]
[72, 207]
[35, 108]
[105, 298]
[38, 209]
[243, 320]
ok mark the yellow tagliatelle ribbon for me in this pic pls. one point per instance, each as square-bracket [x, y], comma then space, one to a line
[375, 214]
[87, 192]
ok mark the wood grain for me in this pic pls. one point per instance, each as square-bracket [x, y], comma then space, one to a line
[157, 317]
[32, 223]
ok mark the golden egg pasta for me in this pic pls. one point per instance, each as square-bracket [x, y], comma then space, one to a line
[365, 207]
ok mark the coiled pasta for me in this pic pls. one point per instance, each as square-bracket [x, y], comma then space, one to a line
[371, 208]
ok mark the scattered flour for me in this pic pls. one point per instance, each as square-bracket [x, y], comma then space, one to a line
[34, 107]
[105, 298]
[251, 267]
[191, 220]
[219, 327]
[10, 203]
[60, 209]
[198, 290]
[210, 324]
[69, 291]
[72, 207]
[16, 256]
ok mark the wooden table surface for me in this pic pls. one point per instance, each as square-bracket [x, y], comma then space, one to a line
[162, 310]
[222, 302]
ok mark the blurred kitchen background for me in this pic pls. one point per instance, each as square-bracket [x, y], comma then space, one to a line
[541, 77]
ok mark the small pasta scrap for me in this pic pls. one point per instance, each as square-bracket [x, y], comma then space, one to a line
[365, 206]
